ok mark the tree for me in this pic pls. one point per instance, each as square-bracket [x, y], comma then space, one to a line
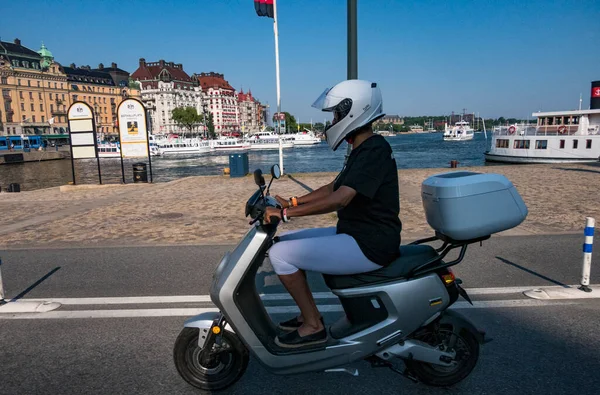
[319, 127]
[210, 125]
[187, 117]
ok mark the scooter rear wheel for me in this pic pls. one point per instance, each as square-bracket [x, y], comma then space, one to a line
[228, 361]
[466, 347]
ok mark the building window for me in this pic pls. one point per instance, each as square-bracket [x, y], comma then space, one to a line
[562, 144]
[4, 81]
[21, 94]
[22, 106]
[43, 118]
[63, 96]
[41, 107]
[32, 107]
[575, 144]
[51, 107]
[33, 118]
[521, 144]
[19, 82]
[74, 97]
[541, 144]
[588, 144]
[40, 95]
[31, 95]
[55, 85]
[51, 96]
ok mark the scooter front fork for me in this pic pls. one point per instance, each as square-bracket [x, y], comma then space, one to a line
[213, 336]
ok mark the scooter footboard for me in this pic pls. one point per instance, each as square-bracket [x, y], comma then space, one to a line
[203, 322]
[459, 322]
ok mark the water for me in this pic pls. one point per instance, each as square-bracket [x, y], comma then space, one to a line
[411, 151]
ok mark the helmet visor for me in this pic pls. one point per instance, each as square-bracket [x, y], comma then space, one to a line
[326, 101]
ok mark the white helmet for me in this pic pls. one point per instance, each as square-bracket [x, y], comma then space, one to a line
[354, 103]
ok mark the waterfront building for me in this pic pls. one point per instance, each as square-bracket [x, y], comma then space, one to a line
[164, 87]
[98, 88]
[36, 92]
[221, 100]
[390, 120]
[250, 112]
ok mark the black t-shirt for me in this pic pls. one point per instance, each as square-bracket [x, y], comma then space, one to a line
[371, 218]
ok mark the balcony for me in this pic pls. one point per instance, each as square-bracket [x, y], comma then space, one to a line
[10, 111]
[58, 112]
[7, 98]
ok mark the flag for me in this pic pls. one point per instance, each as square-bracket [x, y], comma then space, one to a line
[264, 8]
[51, 121]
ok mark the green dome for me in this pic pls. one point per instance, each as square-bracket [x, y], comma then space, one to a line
[44, 53]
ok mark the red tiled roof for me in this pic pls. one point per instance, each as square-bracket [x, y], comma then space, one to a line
[151, 71]
[245, 96]
[213, 80]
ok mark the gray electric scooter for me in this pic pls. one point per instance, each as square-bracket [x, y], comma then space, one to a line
[399, 312]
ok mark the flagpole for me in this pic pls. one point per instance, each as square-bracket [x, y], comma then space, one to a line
[276, 32]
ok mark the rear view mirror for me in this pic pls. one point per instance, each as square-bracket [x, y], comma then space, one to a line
[258, 177]
[275, 171]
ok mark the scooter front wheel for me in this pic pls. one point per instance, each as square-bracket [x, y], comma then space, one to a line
[227, 363]
[464, 344]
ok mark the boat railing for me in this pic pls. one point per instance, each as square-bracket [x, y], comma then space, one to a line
[531, 130]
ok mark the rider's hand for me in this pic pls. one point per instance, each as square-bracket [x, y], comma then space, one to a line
[283, 202]
[272, 212]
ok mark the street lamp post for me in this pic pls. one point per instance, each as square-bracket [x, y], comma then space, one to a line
[352, 64]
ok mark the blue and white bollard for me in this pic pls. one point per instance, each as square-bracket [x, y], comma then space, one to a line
[587, 254]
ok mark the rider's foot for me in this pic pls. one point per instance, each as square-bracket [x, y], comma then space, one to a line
[305, 335]
[294, 323]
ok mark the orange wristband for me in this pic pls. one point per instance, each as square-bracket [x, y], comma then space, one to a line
[294, 201]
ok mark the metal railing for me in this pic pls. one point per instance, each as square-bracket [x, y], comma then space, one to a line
[531, 130]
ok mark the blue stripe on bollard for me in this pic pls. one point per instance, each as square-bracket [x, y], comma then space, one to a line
[588, 231]
[587, 248]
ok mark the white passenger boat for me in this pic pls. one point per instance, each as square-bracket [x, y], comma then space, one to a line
[269, 144]
[229, 144]
[557, 137]
[461, 131]
[179, 146]
[306, 138]
[109, 150]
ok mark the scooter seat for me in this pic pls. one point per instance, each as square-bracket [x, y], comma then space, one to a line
[411, 256]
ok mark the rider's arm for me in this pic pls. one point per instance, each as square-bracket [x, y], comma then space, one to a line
[320, 193]
[332, 201]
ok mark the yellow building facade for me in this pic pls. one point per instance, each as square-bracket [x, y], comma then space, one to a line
[36, 92]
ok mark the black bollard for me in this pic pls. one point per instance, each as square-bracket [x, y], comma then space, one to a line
[453, 164]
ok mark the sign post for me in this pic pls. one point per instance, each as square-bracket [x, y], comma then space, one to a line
[133, 131]
[82, 135]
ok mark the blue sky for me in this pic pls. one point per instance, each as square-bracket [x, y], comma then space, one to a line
[498, 58]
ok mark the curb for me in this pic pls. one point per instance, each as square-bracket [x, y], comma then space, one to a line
[556, 293]
[28, 307]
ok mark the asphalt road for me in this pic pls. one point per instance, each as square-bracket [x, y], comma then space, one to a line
[550, 348]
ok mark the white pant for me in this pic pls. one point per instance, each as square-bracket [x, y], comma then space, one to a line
[319, 250]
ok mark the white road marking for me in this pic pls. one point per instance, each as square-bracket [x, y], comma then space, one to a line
[265, 297]
[185, 312]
